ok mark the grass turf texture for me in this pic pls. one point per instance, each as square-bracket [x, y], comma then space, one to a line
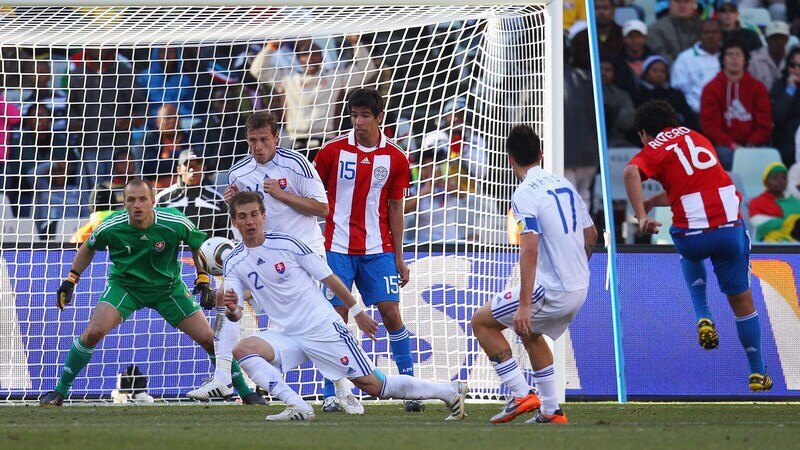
[592, 425]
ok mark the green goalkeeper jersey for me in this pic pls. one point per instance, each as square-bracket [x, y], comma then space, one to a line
[146, 259]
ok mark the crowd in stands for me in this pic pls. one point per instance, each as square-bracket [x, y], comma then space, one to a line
[734, 81]
[76, 125]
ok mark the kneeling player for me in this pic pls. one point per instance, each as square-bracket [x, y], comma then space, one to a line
[280, 271]
[557, 235]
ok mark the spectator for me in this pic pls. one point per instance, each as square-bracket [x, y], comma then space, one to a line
[618, 108]
[628, 63]
[311, 94]
[101, 89]
[167, 82]
[574, 11]
[195, 197]
[676, 32]
[734, 109]
[109, 195]
[609, 32]
[43, 92]
[698, 65]
[773, 214]
[162, 146]
[732, 28]
[9, 118]
[654, 85]
[222, 133]
[767, 63]
[581, 157]
[36, 143]
[61, 193]
[464, 144]
[785, 100]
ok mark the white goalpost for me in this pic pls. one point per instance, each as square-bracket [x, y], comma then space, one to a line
[96, 94]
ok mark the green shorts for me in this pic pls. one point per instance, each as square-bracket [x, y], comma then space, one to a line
[174, 305]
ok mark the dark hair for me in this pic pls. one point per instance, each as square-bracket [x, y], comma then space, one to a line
[792, 53]
[524, 145]
[653, 116]
[366, 98]
[262, 119]
[733, 42]
[243, 198]
[141, 182]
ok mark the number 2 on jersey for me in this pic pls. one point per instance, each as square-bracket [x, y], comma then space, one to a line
[568, 192]
[253, 276]
[694, 153]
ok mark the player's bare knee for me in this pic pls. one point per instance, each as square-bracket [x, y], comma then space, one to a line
[369, 384]
[93, 335]
[240, 350]
[390, 314]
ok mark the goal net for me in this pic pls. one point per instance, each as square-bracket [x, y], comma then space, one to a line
[94, 96]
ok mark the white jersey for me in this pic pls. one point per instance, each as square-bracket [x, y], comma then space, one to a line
[295, 174]
[548, 205]
[281, 274]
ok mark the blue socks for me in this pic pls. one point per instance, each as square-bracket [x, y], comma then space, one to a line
[328, 389]
[400, 344]
[749, 330]
[694, 273]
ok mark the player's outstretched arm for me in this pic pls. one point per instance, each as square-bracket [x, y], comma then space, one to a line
[365, 323]
[528, 257]
[83, 258]
[589, 240]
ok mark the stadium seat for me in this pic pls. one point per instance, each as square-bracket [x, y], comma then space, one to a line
[755, 16]
[649, 9]
[749, 164]
[66, 228]
[626, 13]
[664, 215]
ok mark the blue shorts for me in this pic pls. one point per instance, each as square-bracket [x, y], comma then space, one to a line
[728, 247]
[375, 277]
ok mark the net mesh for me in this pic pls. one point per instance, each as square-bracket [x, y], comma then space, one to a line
[95, 96]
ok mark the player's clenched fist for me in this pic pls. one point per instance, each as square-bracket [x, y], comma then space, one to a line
[64, 293]
[230, 191]
[202, 286]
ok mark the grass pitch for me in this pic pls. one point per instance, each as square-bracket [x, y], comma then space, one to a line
[386, 426]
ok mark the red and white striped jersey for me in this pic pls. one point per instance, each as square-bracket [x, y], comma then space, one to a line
[701, 194]
[360, 182]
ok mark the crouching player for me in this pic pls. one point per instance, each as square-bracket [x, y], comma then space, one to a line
[557, 235]
[280, 272]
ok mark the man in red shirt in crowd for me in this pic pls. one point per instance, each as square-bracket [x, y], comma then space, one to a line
[734, 108]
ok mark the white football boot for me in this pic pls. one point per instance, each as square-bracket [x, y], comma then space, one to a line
[211, 389]
[458, 404]
[350, 404]
[293, 414]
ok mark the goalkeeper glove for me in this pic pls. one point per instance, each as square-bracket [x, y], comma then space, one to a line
[64, 293]
[202, 286]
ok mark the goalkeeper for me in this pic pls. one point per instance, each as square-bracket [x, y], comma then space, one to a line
[143, 244]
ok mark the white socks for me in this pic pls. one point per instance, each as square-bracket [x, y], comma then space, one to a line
[226, 334]
[404, 387]
[270, 378]
[343, 387]
[545, 380]
[511, 375]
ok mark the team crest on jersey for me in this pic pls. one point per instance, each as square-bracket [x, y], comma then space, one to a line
[280, 267]
[508, 296]
[282, 183]
[160, 246]
[381, 173]
[344, 360]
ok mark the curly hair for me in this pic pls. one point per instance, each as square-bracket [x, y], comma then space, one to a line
[653, 116]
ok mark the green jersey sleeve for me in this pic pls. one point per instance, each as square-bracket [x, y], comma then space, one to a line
[98, 240]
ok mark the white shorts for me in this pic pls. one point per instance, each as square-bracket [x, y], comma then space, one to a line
[552, 311]
[333, 350]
